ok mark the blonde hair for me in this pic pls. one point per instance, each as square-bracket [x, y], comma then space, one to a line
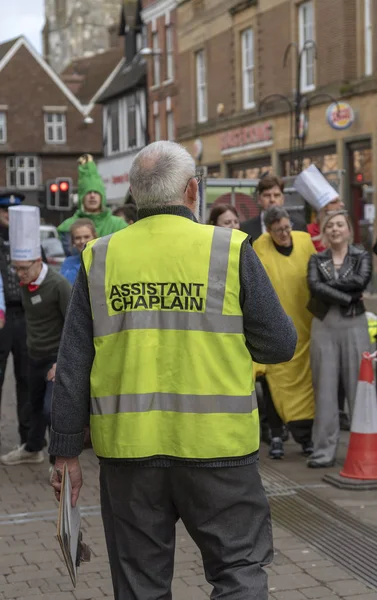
[326, 220]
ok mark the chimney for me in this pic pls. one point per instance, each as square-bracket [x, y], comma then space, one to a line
[73, 81]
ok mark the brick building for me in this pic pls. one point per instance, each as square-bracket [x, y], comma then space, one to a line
[230, 57]
[159, 17]
[44, 126]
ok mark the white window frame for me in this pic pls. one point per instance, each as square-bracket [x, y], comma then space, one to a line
[122, 106]
[169, 53]
[248, 69]
[308, 60]
[23, 172]
[368, 38]
[156, 60]
[170, 126]
[3, 127]
[55, 122]
[201, 87]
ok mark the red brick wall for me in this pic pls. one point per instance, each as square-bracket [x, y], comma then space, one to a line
[336, 41]
[272, 36]
[26, 88]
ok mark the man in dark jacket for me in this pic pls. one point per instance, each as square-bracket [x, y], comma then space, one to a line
[270, 192]
[13, 336]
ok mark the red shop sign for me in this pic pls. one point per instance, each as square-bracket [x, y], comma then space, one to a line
[243, 136]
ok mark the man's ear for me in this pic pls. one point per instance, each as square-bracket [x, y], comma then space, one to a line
[191, 194]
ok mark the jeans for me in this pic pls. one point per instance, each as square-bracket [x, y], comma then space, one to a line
[40, 393]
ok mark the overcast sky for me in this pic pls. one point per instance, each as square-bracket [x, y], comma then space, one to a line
[23, 17]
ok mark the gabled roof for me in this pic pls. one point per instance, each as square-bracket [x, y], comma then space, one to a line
[9, 49]
[94, 71]
[127, 78]
[6, 46]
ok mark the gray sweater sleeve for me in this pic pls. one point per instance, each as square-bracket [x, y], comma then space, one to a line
[271, 337]
[71, 399]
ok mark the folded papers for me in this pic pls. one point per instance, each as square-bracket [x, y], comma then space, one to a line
[68, 530]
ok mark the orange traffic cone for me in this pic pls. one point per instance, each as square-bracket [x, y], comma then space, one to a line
[361, 461]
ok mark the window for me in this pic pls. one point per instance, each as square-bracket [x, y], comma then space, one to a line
[131, 121]
[157, 129]
[170, 126]
[55, 128]
[306, 34]
[3, 127]
[169, 54]
[248, 68]
[123, 127]
[113, 129]
[156, 60]
[368, 37]
[201, 87]
[22, 171]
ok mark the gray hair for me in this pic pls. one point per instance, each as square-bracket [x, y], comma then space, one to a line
[274, 215]
[160, 173]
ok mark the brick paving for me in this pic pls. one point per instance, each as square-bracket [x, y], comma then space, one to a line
[31, 566]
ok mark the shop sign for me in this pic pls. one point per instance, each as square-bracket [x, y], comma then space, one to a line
[246, 138]
[115, 175]
[340, 115]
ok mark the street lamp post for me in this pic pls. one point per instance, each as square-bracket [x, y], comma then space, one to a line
[298, 106]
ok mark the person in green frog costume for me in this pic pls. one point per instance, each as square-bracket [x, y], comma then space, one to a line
[92, 204]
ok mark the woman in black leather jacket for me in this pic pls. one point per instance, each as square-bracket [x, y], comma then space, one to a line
[337, 279]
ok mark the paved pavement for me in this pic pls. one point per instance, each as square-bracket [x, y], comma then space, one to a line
[31, 566]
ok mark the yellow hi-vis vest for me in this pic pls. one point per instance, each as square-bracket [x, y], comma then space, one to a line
[171, 375]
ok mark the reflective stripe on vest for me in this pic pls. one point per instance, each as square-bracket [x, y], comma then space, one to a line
[184, 403]
[211, 320]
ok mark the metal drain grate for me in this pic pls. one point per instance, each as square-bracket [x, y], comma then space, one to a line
[328, 528]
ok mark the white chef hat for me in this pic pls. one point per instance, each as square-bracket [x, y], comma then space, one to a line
[314, 188]
[24, 232]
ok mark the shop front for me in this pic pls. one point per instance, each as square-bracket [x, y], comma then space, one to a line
[339, 139]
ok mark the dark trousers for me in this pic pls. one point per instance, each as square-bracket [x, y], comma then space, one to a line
[267, 412]
[40, 391]
[13, 340]
[301, 430]
[225, 510]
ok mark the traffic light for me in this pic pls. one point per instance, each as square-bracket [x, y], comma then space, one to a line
[58, 193]
[65, 189]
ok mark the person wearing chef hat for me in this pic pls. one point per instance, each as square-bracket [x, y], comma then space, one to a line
[45, 296]
[13, 334]
[323, 198]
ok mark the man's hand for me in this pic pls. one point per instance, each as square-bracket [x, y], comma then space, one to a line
[51, 374]
[74, 471]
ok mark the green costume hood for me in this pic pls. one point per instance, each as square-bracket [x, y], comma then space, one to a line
[89, 180]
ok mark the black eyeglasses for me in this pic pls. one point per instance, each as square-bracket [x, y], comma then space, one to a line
[198, 179]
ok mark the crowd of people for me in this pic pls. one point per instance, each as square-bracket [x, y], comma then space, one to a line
[320, 279]
[166, 341]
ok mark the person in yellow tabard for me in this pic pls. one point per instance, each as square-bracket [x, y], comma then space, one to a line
[285, 255]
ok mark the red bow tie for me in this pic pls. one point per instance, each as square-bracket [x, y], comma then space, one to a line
[30, 286]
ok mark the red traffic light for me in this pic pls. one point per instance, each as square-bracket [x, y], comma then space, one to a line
[359, 178]
[54, 187]
[64, 186]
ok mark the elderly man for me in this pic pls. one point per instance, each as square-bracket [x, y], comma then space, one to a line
[165, 318]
